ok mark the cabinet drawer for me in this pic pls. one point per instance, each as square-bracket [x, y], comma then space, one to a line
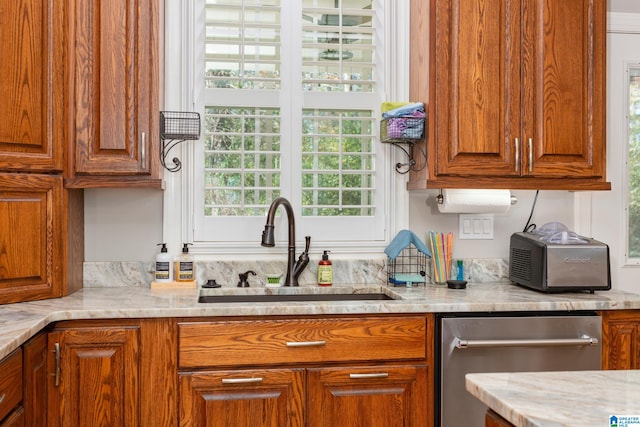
[252, 397]
[264, 342]
[10, 382]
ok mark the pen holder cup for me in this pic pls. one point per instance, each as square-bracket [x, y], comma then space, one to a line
[439, 273]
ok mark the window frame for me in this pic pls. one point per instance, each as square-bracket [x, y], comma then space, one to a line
[179, 220]
[626, 182]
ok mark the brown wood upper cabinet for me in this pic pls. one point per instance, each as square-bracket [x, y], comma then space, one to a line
[516, 93]
[114, 85]
[32, 86]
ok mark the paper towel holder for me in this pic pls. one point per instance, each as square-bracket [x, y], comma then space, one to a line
[440, 199]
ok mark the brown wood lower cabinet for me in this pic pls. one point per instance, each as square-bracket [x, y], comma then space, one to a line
[621, 339]
[112, 373]
[372, 371]
[369, 371]
[16, 419]
[96, 376]
[380, 396]
[35, 381]
[493, 419]
[265, 398]
[11, 389]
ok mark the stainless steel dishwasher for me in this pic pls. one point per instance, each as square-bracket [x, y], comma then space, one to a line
[508, 343]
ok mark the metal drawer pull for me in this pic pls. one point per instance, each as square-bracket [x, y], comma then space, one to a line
[143, 151]
[530, 155]
[462, 344]
[517, 143]
[56, 350]
[305, 343]
[241, 380]
[365, 376]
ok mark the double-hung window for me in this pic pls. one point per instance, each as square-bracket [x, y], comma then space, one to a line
[289, 95]
[633, 163]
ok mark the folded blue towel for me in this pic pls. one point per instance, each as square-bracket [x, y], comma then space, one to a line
[402, 240]
[405, 110]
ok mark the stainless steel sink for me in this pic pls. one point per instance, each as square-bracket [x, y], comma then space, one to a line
[294, 297]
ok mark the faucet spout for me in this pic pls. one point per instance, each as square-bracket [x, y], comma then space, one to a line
[293, 269]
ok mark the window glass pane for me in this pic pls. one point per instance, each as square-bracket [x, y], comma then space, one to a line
[337, 46]
[634, 162]
[242, 44]
[325, 146]
[241, 160]
[337, 163]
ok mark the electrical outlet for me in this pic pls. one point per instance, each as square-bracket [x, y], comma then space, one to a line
[476, 226]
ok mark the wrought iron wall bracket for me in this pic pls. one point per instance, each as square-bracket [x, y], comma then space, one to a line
[176, 127]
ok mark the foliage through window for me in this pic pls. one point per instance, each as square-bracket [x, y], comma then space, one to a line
[634, 162]
[242, 160]
[337, 163]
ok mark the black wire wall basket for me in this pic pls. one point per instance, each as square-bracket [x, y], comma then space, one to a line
[405, 133]
[177, 127]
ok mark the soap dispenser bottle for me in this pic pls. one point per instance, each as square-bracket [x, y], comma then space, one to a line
[184, 267]
[164, 266]
[325, 270]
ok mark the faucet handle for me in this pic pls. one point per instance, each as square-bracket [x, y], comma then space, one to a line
[244, 279]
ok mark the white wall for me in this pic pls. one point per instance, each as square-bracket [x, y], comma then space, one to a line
[624, 6]
[122, 224]
[550, 206]
[126, 225]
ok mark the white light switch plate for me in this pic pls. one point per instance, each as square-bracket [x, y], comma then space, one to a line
[476, 226]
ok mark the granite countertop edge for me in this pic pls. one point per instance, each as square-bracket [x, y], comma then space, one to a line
[553, 399]
[21, 321]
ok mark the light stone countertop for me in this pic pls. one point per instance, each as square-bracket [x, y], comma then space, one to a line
[560, 399]
[20, 321]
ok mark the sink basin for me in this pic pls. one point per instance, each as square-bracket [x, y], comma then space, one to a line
[293, 297]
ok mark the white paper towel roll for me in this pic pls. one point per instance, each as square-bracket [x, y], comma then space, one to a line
[475, 201]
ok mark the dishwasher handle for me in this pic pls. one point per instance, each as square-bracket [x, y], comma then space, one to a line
[551, 342]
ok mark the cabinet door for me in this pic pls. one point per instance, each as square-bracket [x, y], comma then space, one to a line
[115, 87]
[621, 340]
[31, 237]
[384, 396]
[516, 93]
[35, 381]
[266, 398]
[32, 85]
[564, 91]
[475, 99]
[95, 379]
